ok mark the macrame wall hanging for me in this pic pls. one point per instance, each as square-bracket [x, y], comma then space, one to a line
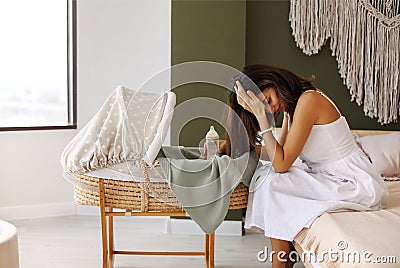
[365, 38]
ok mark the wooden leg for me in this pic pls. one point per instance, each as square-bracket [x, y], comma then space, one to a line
[111, 240]
[212, 242]
[103, 224]
[207, 250]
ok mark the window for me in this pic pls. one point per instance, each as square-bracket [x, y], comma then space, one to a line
[37, 64]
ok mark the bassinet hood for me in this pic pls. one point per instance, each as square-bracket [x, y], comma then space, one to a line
[131, 125]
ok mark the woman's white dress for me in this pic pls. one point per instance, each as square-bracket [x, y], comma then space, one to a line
[335, 175]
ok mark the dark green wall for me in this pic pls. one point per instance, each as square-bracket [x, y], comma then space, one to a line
[205, 31]
[238, 33]
[269, 40]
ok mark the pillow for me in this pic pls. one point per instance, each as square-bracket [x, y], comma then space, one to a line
[384, 152]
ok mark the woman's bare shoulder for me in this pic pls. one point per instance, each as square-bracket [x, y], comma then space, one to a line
[306, 110]
[317, 102]
[310, 97]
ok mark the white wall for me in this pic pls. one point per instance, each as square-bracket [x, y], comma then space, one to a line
[119, 42]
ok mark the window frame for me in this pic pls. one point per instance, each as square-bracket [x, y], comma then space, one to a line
[71, 75]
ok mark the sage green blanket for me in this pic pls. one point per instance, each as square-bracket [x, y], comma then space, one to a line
[203, 187]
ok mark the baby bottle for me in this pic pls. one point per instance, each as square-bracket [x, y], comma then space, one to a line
[211, 144]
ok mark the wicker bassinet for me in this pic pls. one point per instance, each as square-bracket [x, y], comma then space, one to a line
[133, 196]
[144, 197]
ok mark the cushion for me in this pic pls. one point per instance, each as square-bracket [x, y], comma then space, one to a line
[384, 152]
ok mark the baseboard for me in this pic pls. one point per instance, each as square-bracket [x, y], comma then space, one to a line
[95, 211]
[187, 226]
[173, 226]
[37, 211]
[87, 210]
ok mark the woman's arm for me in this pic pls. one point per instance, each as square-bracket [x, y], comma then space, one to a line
[303, 121]
[285, 129]
[305, 116]
[222, 147]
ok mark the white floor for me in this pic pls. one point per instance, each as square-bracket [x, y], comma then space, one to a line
[75, 241]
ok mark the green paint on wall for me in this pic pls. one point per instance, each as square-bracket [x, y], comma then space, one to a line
[205, 31]
[209, 30]
[269, 40]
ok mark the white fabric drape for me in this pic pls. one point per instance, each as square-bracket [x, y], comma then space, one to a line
[123, 129]
[364, 37]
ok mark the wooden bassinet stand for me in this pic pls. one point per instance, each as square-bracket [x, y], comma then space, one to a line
[134, 200]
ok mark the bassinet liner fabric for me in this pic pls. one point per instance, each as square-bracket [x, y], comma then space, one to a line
[130, 126]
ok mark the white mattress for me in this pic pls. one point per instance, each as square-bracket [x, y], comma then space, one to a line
[376, 232]
[126, 172]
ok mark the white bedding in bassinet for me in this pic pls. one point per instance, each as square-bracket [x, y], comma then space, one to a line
[130, 126]
[121, 172]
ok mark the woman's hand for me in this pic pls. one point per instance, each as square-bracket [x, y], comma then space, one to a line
[286, 119]
[249, 101]
[222, 147]
[285, 128]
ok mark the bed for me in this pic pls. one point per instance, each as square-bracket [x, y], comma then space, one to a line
[359, 239]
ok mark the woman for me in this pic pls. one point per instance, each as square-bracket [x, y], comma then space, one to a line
[335, 174]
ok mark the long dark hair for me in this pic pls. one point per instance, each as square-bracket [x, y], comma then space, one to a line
[288, 86]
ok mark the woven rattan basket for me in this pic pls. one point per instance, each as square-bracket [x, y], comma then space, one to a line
[134, 196]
